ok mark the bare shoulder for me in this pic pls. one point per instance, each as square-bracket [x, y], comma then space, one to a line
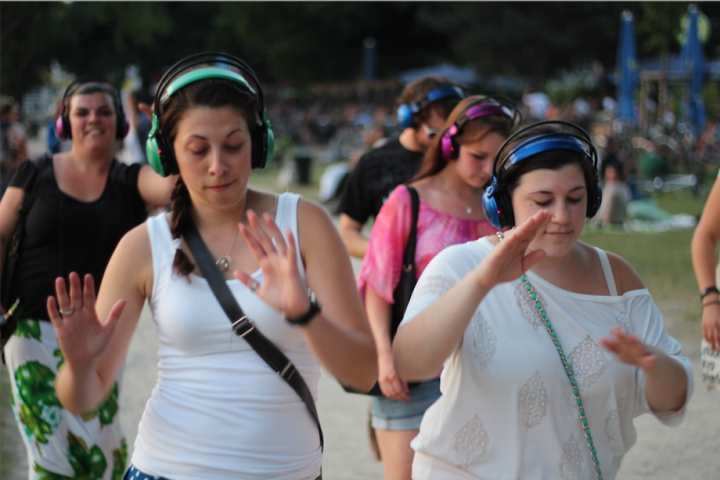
[311, 215]
[133, 255]
[626, 278]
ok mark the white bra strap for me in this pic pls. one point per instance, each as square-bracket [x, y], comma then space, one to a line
[607, 270]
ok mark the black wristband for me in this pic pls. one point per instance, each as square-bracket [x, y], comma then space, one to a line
[708, 291]
[305, 318]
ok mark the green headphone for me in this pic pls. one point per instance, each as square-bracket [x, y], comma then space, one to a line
[161, 156]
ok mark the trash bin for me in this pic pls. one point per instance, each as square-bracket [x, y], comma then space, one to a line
[302, 167]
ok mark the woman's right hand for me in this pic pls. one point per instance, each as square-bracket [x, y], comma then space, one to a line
[509, 260]
[711, 325]
[82, 337]
[391, 385]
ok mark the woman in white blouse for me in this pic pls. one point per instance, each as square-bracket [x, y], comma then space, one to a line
[533, 386]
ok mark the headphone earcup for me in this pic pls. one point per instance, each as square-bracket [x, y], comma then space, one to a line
[404, 116]
[159, 152]
[59, 128]
[594, 203]
[263, 146]
[454, 149]
[497, 206]
[123, 127]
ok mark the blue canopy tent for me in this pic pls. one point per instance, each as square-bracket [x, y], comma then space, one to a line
[627, 73]
[692, 60]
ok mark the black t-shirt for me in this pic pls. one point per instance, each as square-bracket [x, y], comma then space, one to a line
[376, 174]
[64, 235]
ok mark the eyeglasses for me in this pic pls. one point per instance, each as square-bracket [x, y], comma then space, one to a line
[430, 132]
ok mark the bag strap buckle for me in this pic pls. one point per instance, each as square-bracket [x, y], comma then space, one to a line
[243, 326]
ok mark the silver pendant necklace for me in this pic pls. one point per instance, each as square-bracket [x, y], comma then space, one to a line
[468, 208]
[224, 263]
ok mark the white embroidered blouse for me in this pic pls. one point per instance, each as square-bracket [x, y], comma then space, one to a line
[507, 411]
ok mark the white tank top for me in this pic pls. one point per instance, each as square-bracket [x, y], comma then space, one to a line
[218, 411]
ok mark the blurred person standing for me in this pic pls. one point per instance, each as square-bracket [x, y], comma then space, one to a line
[76, 206]
[14, 141]
[421, 110]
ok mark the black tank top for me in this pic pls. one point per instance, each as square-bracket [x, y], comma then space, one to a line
[64, 235]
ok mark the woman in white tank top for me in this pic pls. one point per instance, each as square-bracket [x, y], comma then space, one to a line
[218, 411]
[533, 387]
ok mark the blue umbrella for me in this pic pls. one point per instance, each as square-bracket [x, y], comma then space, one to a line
[626, 75]
[692, 61]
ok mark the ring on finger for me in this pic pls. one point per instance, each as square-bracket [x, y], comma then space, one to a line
[67, 311]
[254, 286]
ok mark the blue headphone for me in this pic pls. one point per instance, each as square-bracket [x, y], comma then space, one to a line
[161, 156]
[405, 112]
[496, 200]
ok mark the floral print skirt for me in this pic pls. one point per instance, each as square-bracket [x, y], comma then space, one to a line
[60, 444]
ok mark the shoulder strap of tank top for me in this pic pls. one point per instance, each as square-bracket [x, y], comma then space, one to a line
[607, 270]
[244, 327]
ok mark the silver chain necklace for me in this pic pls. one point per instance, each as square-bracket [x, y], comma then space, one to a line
[223, 263]
[468, 208]
[568, 371]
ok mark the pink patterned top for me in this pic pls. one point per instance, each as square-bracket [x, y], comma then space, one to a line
[436, 230]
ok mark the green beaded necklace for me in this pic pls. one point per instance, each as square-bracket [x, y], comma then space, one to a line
[568, 371]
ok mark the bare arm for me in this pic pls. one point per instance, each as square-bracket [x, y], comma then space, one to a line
[153, 188]
[339, 335]
[422, 345]
[354, 241]
[704, 244]
[379, 314]
[94, 349]
[9, 205]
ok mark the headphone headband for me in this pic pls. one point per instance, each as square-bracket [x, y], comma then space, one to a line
[543, 144]
[436, 94]
[484, 106]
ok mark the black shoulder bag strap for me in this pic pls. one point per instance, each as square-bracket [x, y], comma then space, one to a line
[244, 328]
[406, 284]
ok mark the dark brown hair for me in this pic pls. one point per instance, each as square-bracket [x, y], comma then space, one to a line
[417, 89]
[213, 93]
[472, 131]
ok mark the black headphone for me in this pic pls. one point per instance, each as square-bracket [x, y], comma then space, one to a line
[160, 153]
[496, 200]
[62, 124]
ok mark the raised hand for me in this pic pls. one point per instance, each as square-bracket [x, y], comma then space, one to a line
[629, 349]
[283, 288]
[508, 260]
[82, 337]
[711, 325]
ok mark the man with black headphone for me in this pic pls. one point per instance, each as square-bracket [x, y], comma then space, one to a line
[422, 108]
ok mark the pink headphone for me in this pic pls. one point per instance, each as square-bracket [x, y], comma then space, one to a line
[62, 124]
[483, 107]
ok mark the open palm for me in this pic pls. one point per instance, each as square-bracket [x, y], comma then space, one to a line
[82, 337]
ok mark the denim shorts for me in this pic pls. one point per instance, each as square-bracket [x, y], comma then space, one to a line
[389, 414]
[135, 474]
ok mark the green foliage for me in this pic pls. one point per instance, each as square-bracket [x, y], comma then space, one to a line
[660, 23]
[711, 100]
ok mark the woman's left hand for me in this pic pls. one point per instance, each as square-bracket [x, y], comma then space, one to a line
[629, 349]
[283, 288]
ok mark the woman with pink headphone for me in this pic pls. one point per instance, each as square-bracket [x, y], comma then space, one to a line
[450, 184]
[62, 213]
